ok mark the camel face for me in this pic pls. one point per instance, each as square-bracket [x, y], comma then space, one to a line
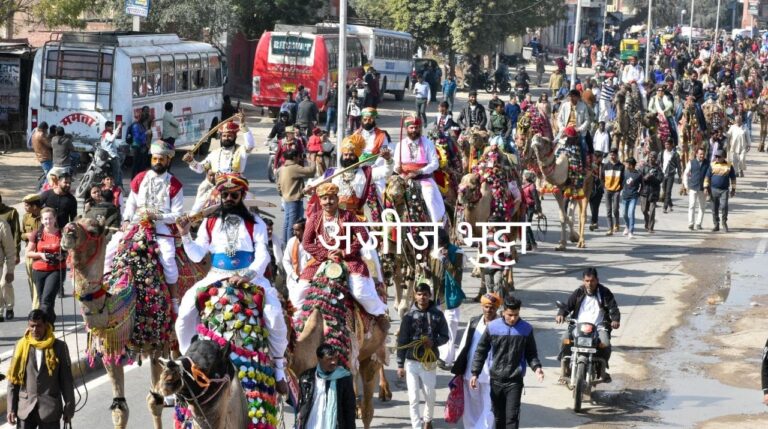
[540, 145]
[395, 190]
[468, 188]
[170, 378]
[76, 233]
[478, 139]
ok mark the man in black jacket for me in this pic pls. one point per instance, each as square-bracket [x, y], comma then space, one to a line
[671, 166]
[327, 394]
[650, 189]
[473, 114]
[592, 303]
[511, 341]
[423, 328]
[764, 374]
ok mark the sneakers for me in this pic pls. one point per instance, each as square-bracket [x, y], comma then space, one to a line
[631, 236]
[615, 228]
[9, 313]
[698, 227]
[626, 231]
[610, 232]
[593, 227]
[665, 210]
[690, 227]
[716, 228]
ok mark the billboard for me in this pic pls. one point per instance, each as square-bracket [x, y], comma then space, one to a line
[137, 7]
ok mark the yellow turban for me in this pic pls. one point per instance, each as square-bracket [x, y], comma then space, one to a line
[327, 189]
[353, 144]
[491, 298]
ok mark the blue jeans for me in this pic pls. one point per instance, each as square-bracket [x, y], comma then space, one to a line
[421, 110]
[330, 120]
[629, 207]
[294, 210]
[46, 166]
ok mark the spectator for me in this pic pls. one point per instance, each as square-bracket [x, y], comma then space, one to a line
[555, 82]
[170, 126]
[105, 212]
[422, 91]
[693, 181]
[670, 165]
[327, 394]
[117, 157]
[43, 150]
[649, 191]
[63, 151]
[93, 198]
[139, 141]
[510, 342]
[48, 261]
[31, 224]
[422, 329]
[61, 200]
[372, 83]
[107, 183]
[602, 139]
[306, 115]
[330, 107]
[290, 186]
[449, 91]
[720, 176]
[532, 203]
[597, 192]
[540, 58]
[290, 107]
[9, 257]
[40, 377]
[227, 109]
[630, 192]
[353, 112]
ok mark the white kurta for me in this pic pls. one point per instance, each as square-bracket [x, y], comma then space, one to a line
[478, 412]
[223, 160]
[154, 195]
[431, 193]
[738, 143]
[189, 316]
[381, 168]
[292, 277]
[316, 416]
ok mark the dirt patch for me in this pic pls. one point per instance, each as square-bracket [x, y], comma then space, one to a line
[19, 173]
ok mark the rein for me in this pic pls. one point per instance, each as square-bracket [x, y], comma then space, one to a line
[98, 238]
[203, 381]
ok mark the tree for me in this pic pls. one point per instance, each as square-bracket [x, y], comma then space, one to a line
[51, 13]
[372, 10]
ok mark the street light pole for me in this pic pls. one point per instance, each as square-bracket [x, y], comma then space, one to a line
[648, 39]
[717, 29]
[682, 13]
[690, 29]
[574, 56]
[342, 79]
[605, 18]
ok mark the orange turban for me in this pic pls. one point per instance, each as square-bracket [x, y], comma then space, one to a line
[491, 298]
[230, 182]
[327, 189]
[353, 144]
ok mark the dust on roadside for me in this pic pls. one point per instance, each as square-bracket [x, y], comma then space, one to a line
[19, 173]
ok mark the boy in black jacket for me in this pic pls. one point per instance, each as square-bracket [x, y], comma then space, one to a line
[426, 324]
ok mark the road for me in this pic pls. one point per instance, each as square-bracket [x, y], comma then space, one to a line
[659, 281]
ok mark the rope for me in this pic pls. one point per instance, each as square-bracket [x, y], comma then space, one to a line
[427, 358]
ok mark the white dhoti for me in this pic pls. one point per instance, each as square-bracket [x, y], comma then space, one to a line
[448, 350]
[363, 290]
[166, 247]
[478, 412]
[189, 316]
[433, 199]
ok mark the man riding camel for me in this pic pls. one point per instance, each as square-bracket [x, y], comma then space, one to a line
[416, 159]
[328, 225]
[157, 196]
[231, 157]
[376, 141]
[237, 241]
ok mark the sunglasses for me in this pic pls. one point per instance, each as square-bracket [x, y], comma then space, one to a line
[230, 195]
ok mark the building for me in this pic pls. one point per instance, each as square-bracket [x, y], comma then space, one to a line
[754, 13]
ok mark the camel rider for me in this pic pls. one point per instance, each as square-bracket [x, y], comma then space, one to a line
[376, 141]
[358, 187]
[416, 159]
[231, 157]
[634, 72]
[156, 195]
[574, 114]
[665, 105]
[237, 241]
[500, 124]
[320, 226]
[574, 186]
[473, 115]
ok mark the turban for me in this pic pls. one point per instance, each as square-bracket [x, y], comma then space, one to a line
[230, 127]
[161, 148]
[231, 182]
[370, 111]
[570, 131]
[491, 298]
[353, 144]
[412, 121]
[327, 189]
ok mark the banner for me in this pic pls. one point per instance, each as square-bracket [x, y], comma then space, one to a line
[9, 86]
[137, 7]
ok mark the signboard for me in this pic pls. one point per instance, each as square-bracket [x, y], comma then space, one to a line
[9, 87]
[291, 46]
[137, 7]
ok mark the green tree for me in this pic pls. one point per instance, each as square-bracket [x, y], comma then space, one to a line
[51, 13]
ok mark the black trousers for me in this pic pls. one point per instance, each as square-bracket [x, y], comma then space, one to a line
[594, 203]
[47, 285]
[33, 422]
[505, 400]
[649, 211]
[669, 181]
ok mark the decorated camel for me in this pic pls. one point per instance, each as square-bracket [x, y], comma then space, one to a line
[472, 143]
[127, 312]
[206, 381]
[555, 170]
[330, 315]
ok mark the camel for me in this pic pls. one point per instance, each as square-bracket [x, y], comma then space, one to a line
[472, 143]
[369, 347]
[655, 123]
[205, 380]
[109, 307]
[555, 171]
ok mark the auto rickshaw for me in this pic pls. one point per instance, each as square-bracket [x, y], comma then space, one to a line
[629, 48]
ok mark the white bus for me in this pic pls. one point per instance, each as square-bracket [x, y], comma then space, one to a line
[390, 52]
[83, 79]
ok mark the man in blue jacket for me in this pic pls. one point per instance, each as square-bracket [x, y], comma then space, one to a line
[511, 341]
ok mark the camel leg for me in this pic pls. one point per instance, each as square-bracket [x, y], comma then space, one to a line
[368, 371]
[583, 204]
[561, 204]
[155, 402]
[571, 206]
[119, 406]
[385, 393]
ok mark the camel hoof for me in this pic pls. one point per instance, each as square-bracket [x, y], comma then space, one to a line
[582, 245]
[560, 247]
[385, 395]
[574, 239]
[119, 413]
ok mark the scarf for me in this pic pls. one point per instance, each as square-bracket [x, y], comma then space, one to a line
[330, 417]
[18, 368]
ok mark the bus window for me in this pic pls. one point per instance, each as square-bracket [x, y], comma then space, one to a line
[169, 75]
[214, 64]
[78, 65]
[182, 72]
[153, 76]
[204, 79]
[139, 77]
[194, 71]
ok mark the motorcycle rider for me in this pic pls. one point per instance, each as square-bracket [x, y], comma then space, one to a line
[590, 303]
[500, 76]
[522, 80]
[473, 114]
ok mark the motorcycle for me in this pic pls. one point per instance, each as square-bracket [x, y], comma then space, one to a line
[521, 90]
[271, 173]
[581, 363]
[502, 87]
[99, 168]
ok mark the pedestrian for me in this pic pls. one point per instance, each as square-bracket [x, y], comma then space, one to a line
[48, 261]
[630, 192]
[720, 177]
[61, 200]
[110, 145]
[764, 374]
[449, 91]
[532, 203]
[330, 108]
[693, 181]
[670, 165]
[510, 343]
[315, 149]
[422, 92]
[93, 198]
[170, 126]
[290, 186]
[295, 258]
[422, 330]
[306, 115]
[446, 265]
[540, 58]
[63, 150]
[105, 212]
[596, 197]
[31, 223]
[478, 410]
[650, 189]
[9, 257]
[372, 85]
[108, 183]
[326, 394]
[40, 378]
[43, 151]
[738, 145]
[139, 141]
[353, 112]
